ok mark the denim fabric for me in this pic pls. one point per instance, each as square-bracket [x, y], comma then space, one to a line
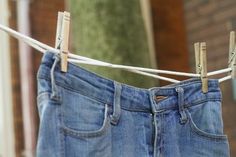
[85, 115]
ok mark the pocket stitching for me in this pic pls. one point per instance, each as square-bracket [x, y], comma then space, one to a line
[93, 133]
[45, 96]
[201, 102]
[202, 133]
[42, 95]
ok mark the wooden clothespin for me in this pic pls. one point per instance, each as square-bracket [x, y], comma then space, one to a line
[232, 55]
[58, 32]
[62, 38]
[201, 64]
[197, 57]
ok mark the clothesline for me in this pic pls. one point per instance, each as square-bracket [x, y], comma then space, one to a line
[85, 60]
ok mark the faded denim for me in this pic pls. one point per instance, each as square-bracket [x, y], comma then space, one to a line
[85, 115]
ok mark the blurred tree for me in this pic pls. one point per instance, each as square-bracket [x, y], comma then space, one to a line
[111, 31]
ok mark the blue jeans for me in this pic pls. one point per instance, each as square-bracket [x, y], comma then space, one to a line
[85, 115]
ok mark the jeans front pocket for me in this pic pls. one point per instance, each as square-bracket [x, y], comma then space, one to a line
[83, 115]
[205, 130]
[84, 131]
[205, 120]
[85, 124]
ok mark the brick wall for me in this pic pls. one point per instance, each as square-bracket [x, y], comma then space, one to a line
[211, 21]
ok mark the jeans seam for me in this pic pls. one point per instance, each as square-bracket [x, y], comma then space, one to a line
[108, 103]
[135, 110]
[76, 91]
[61, 136]
[132, 110]
[202, 101]
[189, 105]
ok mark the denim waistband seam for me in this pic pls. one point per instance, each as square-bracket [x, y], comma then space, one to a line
[187, 105]
[43, 76]
[108, 103]
[75, 90]
[135, 109]
[199, 102]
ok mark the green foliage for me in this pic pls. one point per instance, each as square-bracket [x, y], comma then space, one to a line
[111, 31]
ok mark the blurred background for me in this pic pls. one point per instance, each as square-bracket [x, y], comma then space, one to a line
[147, 33]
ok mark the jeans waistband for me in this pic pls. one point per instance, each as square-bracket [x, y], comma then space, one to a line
[132, 98]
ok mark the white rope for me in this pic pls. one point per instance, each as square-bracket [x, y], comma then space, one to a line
[35, 42]
[225, 78]
[94, 62]
[135, 71]
[136, 68]
[26, 38]
[40, 49]
[156, 76]
[219, 72]
[85, 60]
[102, 64]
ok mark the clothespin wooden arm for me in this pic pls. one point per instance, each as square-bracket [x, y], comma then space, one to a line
[201, 64]
[197, 57]
[64, 50]
[58, 32]
[232, 54]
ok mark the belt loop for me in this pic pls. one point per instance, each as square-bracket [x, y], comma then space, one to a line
[55, 94]
[180, 92]
[116, 104]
